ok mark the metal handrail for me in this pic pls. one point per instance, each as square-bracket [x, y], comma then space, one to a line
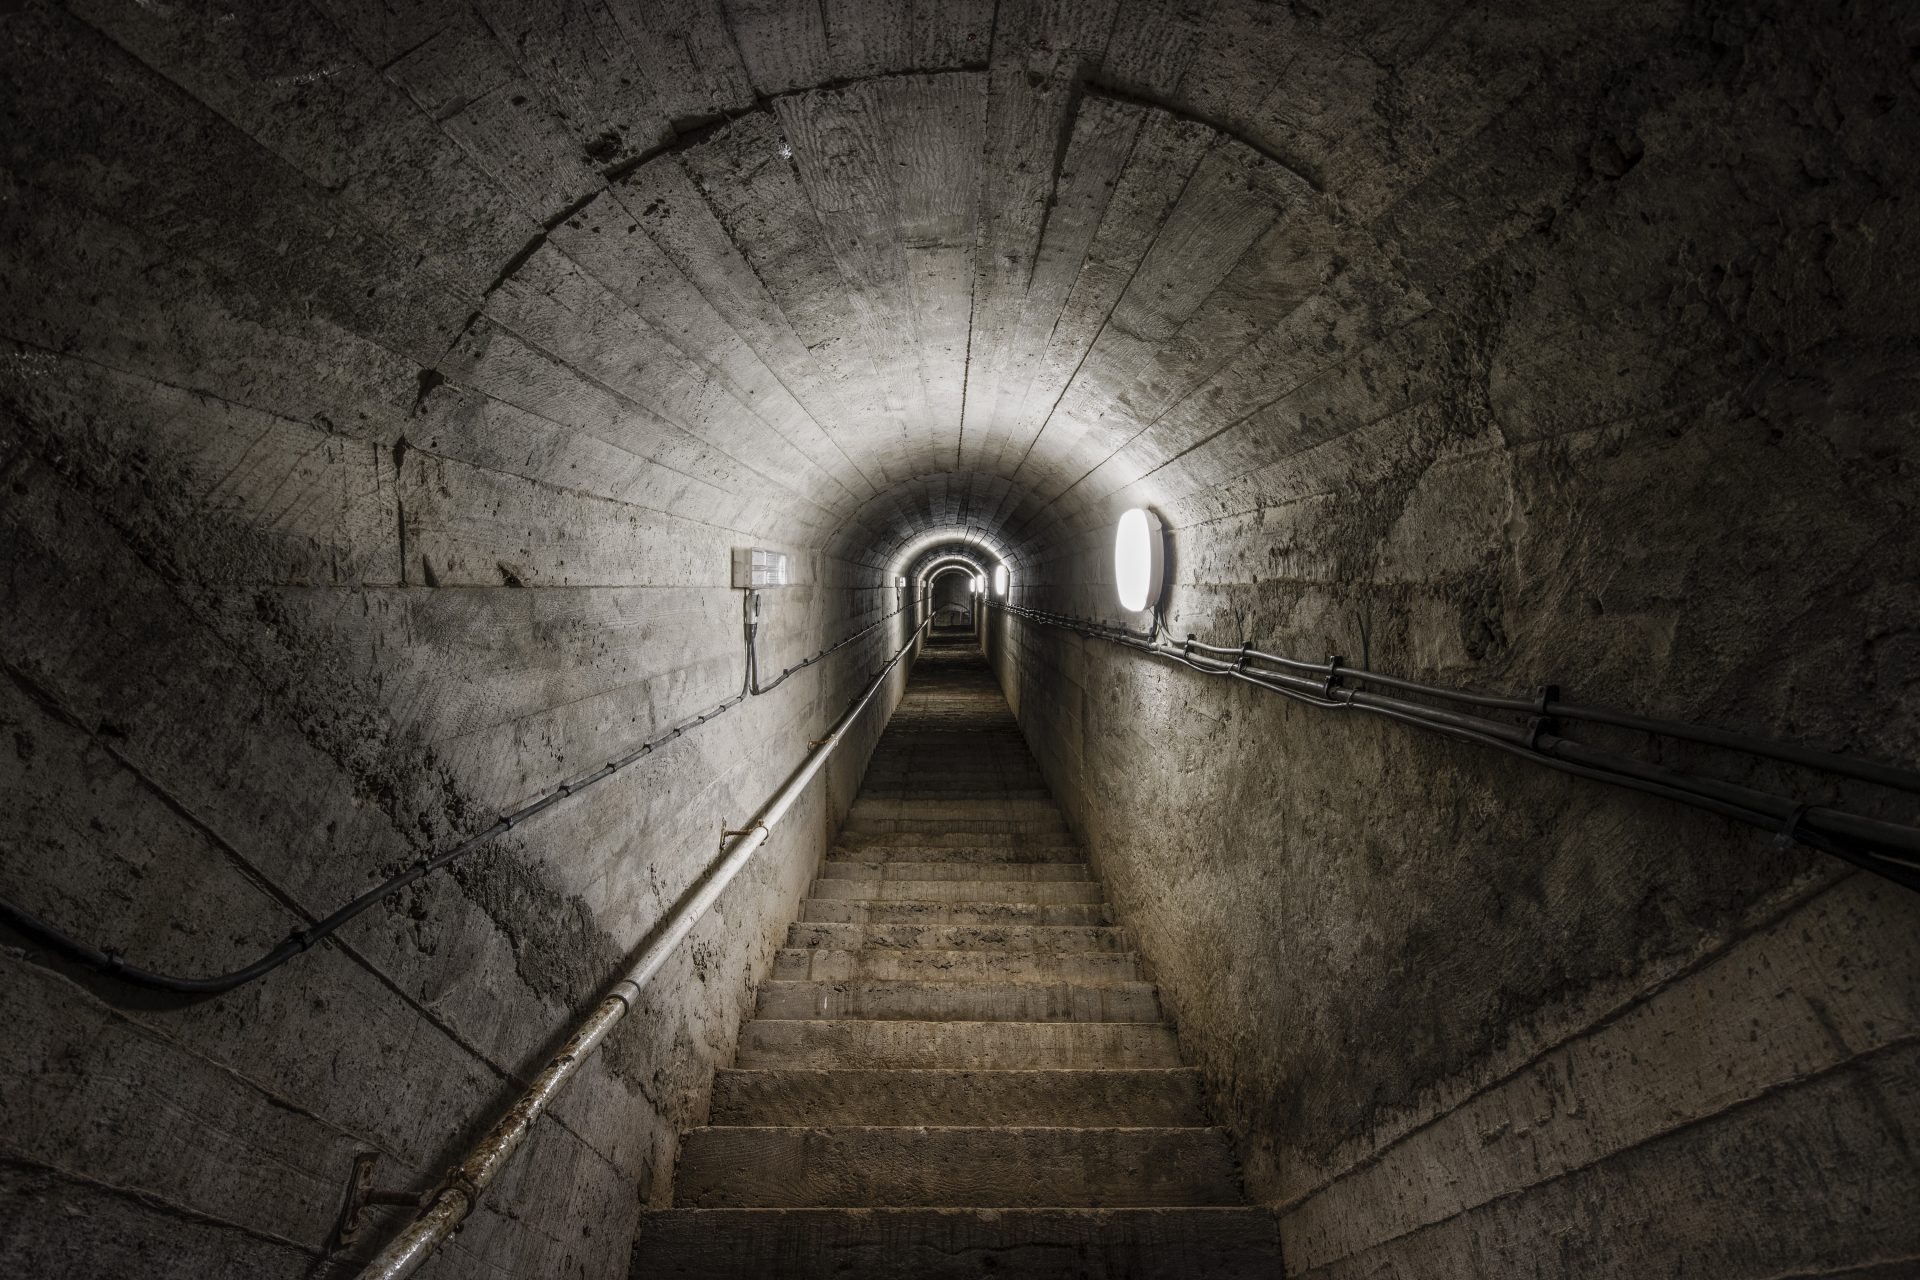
[1889, 849]
[305, 939]
[460, 1192]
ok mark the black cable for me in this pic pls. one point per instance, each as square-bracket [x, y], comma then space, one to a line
[1790, 752]
[1884, 848]
[753, 660]
[108, 962]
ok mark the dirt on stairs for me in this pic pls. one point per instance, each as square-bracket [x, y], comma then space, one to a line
[957, 1069]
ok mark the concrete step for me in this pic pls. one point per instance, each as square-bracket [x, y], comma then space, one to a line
[971, 1002]
[993, 804]
[1003, 1166]
[836, 911]
[892, 771]
[907, 849]
[965, 838]
[988, 751]
[953, 889]
[1159, 1097]
[995, 733]
[952, 790]
[955, 804]
[815, 964]
[953, 755]
[957, 1244]
[980, 1046]
[1019, 938]
[956, 1068]
[956, 870]
[868, 823]
[942, 783]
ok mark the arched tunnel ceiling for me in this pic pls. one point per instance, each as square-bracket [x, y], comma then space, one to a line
[838, 274]
[966, 556]
[983, 292]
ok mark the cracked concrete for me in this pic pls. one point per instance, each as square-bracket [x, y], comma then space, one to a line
[383, 394]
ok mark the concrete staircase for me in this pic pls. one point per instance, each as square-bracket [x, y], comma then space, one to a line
[956, 1069]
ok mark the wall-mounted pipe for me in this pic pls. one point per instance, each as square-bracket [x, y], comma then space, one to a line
[753, 650]
[1791, 752]
[1888, 849]
[460, 1193]
[300, 941]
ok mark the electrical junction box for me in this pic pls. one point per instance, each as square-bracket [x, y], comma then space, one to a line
[756, 568]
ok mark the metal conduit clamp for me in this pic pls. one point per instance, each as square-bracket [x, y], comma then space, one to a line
[1790, 829]
[749, 829]
[361, 1196]
[1540, 722]
[1332, 681]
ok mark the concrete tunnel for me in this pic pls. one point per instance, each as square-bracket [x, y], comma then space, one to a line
[1427, 788]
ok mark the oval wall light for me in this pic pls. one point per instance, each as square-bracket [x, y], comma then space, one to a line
[1139, 560]
[980, 584]
[999, 580]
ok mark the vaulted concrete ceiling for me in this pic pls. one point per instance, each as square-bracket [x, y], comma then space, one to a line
[846, 273]
[975, 292]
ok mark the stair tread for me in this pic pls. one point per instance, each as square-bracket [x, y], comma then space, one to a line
[1065, 872]
[840, 911]
[985, 1165]
[926, 964]
[957, 1065]
[960, 1001]
[984, 1045]
[1201, 1242]
[1021, 938]
[958, 890]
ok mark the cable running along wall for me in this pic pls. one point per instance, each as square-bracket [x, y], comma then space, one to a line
[1533, 732]
[303, 940]
[467, 1182]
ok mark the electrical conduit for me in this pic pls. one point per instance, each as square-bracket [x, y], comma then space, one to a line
[464, 1186]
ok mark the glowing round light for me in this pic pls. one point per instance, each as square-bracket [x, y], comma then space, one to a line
[980, 584]
[999, 579]
[1137, 560]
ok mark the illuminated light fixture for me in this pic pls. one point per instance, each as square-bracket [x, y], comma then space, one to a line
[980, 584]
[757, 567]
[900, 583]
[1139, 560]
[1000, 580]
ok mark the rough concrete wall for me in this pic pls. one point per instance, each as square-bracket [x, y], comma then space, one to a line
[1654, 440]
[953, 590]
[1494, 340]
[222, 726]
[330, 532]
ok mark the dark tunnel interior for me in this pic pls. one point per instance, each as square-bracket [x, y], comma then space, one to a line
[549, 431]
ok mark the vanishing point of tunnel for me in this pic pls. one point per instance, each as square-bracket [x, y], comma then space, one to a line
[1034, 639]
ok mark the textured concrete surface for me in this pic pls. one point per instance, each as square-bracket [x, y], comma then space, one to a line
[383, 389]
[955, 1091]
[961, 1244]
[1601, 432]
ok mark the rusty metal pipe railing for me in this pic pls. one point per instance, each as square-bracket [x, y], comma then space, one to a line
[1888, 849]
[464, 1186]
